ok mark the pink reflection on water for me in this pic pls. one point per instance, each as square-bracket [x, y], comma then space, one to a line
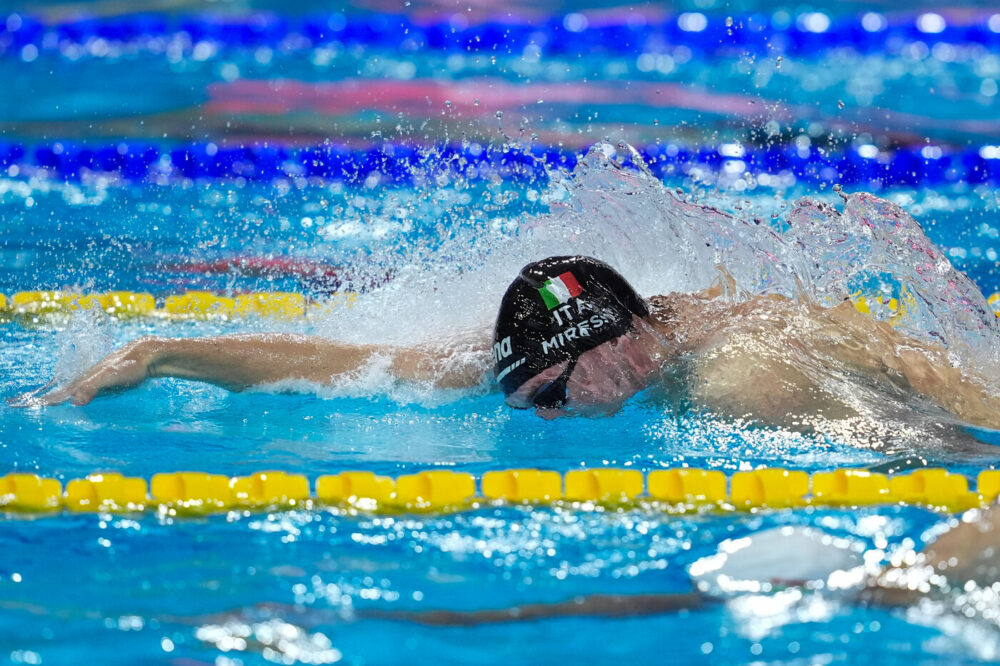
[479, 98]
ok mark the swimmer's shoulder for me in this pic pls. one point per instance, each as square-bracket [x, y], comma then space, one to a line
[687, 320]
[707, 317]
[669, 308]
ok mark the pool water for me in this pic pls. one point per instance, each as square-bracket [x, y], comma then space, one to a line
[295, 586]
[329, 586]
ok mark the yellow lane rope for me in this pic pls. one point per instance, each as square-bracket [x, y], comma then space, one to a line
[37, 305]
[896, 308]
[672, 490]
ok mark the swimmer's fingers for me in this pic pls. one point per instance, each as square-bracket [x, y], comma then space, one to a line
[28, 399]
[38, 398]
[33, 398]
[115, 373]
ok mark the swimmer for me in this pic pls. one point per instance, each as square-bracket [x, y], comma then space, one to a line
[573, 336]
[963, 558]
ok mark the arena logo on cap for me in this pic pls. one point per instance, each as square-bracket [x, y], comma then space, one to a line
[560, 289]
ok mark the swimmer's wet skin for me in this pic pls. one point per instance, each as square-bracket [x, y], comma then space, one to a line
[573, 336]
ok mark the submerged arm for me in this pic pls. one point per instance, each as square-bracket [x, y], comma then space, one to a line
[596, 605]
[237, 362]
[969, 551]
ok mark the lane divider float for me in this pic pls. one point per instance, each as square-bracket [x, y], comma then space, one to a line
[37, 305]
[672, 490]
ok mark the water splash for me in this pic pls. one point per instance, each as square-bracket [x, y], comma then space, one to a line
[664, 241]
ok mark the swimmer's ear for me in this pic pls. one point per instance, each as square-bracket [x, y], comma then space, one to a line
[724, 286]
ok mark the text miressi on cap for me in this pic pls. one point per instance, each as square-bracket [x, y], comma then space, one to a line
[555, 310]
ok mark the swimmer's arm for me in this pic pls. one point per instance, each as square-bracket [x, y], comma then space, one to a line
[237, 362]
[597, 605]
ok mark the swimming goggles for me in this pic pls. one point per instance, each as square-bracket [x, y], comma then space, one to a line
[553, 395]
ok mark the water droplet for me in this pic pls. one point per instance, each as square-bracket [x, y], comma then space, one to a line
[447, 103]
[499, 114]
[729, 21]
[475, 102]
[840, 103]
[777, 63]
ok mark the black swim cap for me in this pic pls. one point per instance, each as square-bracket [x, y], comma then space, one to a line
[557, 309]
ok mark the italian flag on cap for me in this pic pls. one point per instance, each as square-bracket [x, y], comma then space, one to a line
[560, 289]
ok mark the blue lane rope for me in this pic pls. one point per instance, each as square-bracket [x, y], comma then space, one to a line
[570, 34]
[865, 166]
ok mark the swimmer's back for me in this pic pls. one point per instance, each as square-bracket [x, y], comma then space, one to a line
[779, 360]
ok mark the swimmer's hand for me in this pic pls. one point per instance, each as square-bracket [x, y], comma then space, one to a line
[124, 369]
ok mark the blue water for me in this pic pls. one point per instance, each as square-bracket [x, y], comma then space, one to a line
[171, 582]
[145, 588]
[301, 587]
